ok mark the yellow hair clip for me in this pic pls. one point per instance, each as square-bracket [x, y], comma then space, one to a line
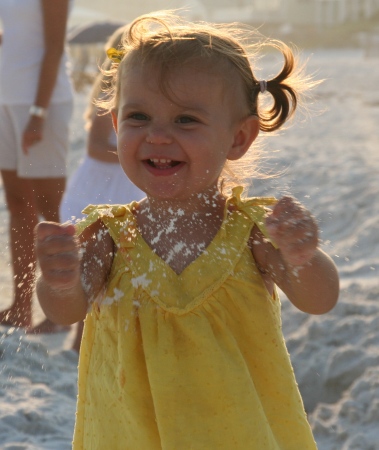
[115, 55]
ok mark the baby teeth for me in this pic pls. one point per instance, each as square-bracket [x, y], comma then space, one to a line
[161, 161]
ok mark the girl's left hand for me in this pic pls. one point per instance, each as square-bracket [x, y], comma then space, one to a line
[294, 230]
[33, 133]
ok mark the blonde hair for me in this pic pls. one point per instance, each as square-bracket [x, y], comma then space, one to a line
[102, 85]
[165, 41]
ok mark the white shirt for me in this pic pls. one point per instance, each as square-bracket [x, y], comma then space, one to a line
[22, 52]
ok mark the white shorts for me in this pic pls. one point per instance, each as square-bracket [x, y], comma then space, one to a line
[47, 158]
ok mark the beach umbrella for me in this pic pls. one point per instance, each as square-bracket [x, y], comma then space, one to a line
[93, 33]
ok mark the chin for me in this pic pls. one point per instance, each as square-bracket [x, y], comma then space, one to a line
[163, 190]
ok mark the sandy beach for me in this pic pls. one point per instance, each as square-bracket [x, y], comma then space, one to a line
[329, 160]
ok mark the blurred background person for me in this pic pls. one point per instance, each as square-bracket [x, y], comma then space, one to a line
[35, 111]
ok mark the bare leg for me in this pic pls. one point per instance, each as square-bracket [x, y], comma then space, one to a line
[27, 199]
[48, 196]
[22, 220]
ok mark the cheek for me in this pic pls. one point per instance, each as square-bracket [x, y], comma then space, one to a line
[126, 142]
[125, 155]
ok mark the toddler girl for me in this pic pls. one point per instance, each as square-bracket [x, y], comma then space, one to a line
[182, 346]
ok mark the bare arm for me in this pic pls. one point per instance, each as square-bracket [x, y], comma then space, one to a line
[98, 139]
[54, 21]
[306, 274]
[69, 279]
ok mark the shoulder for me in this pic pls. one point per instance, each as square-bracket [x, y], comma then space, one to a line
[254, 207]
[112, 218]
[96, 237]
[89, 227]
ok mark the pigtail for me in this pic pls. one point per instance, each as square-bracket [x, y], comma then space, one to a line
[285, 88]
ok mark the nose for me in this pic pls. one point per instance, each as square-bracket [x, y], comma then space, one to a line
[159, 136]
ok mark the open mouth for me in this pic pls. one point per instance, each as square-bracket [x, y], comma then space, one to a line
[162, 163]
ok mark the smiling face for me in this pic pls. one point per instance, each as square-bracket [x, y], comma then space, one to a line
[175, 146]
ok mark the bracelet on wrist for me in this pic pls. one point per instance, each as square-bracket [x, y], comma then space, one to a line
[37, 111]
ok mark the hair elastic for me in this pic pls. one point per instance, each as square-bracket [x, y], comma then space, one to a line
[263, 86]
[115, 55]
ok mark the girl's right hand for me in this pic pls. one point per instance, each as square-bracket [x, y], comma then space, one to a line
[58, 254]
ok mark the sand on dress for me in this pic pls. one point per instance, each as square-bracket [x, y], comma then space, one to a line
[330, 162]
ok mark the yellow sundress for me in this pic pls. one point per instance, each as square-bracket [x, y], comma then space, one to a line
[191, 361]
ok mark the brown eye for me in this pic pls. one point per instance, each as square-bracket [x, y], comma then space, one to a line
[185, 119]
[138, 116]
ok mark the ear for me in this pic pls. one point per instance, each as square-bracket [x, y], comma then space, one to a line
[245, 134]
[114, 119]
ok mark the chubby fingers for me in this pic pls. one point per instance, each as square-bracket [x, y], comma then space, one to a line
[289, 216]
[58, 254]
[294, 230]
[47, 230]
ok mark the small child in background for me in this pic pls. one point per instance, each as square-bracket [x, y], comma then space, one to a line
[182, 346]
[99, 177]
